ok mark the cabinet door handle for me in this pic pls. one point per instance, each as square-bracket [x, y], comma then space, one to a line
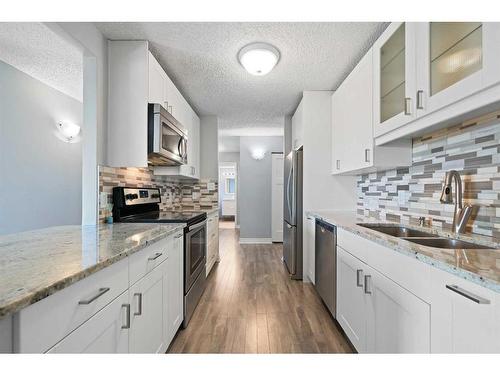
[93, 298]
[156, 256]
[127, 316]
[170, 109]
[467, 294]
[359, 275]
[407, 106]
[367, 279]
[338, 164]
[139, 304]
[420, 101]
[367, 155]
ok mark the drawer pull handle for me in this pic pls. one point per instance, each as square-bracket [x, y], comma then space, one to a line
[359, 275]
[139, 304]
[367, 290]
[92, 299]
[127, 316]
[469, 295]
[156, 256]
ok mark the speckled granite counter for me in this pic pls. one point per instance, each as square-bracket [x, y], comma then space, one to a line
[36, 264]
[479, 266]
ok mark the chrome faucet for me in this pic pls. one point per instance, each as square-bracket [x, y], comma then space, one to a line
[462, 213]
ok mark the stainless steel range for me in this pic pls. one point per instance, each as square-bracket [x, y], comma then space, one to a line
[141, 205]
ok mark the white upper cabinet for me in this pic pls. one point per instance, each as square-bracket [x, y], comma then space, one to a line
[353, 148]
[394, 77]
[454, 61]
[136, 79]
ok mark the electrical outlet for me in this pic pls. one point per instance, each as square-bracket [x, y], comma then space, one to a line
[211, 186]
[103, 199]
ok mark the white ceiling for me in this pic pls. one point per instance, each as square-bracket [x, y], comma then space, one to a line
[201, 59]
[36, 50]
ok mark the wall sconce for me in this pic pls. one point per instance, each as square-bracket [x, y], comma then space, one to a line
[68, 132]
[258, 154]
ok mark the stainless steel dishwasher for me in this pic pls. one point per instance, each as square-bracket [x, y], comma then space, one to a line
[326, 264]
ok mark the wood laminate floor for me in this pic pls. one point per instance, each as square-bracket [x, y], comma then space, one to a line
[250, 305]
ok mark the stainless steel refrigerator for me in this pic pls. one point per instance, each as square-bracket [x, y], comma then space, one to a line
[292, 225]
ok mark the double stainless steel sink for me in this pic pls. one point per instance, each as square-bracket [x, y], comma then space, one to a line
[422, 238]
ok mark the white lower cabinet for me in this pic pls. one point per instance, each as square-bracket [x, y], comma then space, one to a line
[173, 283]
[398, 321]
[106, 332]
[146, 316]
[310, 248]
[378, 315]
[133, 306]
[212, 241]
[351, 304]
[465, 316]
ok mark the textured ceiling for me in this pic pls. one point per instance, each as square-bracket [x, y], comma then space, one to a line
[201, 59]
[36, 50]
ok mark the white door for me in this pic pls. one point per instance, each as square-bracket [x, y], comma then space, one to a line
[397, 320]
[106, 332]
[277, 197]
[146, 301]
[351, 304]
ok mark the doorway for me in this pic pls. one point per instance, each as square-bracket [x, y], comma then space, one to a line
[228, 197]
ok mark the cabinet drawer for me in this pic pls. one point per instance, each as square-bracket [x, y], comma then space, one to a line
[41, 325]
[144, 261]
[105, 332]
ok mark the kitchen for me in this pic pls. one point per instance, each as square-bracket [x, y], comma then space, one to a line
[208, 203]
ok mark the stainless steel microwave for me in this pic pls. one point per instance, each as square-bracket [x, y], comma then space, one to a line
[167, 139]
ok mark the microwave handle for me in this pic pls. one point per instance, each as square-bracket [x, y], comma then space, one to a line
[179, 147]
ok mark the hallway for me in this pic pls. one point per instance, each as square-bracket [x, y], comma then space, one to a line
[251, 306]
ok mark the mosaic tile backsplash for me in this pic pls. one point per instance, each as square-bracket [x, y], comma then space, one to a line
[174, 195]
[403, 195]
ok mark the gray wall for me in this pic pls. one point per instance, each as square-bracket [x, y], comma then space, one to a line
[40, 176]
[209, 140]
[256, 186]
[231, 157]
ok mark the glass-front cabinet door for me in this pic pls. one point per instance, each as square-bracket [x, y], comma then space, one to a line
[394, 77]
[454, 60]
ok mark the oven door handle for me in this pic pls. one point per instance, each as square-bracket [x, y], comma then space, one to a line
[196, 226]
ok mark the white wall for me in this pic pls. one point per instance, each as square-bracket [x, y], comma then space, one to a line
[95, 92]
[40, 175]
[209, 153]
[255, 178]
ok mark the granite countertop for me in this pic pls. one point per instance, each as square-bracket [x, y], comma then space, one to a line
[36, 264]
[481, 266]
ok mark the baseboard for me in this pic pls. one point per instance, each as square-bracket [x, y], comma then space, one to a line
[255, 240]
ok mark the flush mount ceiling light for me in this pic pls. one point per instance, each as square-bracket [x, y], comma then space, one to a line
[259, 58]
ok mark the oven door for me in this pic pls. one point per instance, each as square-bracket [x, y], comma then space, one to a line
[195, 251]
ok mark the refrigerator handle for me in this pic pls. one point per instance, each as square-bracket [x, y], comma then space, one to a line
[288, 192]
